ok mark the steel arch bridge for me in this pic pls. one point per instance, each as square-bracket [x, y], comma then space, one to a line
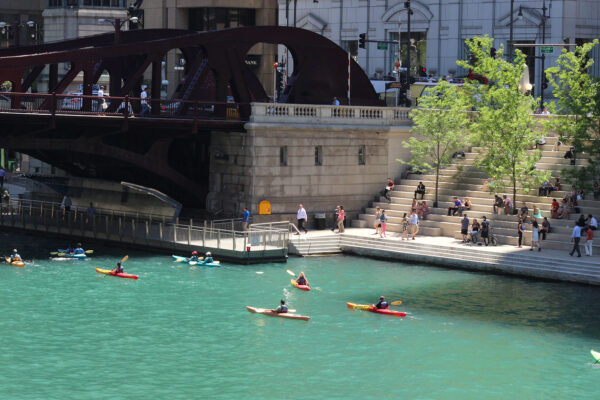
[107, 143]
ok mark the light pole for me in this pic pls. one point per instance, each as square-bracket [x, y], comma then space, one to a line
[543, 56]
[117, 23]
[409, 11]
[510, 35]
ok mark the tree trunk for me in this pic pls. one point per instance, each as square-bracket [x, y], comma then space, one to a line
[514, 181]
[437, 175]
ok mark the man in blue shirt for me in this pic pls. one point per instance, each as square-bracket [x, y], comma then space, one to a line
[2, 175]
[575, 238]
[245, 219]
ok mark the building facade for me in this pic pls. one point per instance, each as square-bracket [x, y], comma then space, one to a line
[438, 30]
[21, 22]
[208, 15]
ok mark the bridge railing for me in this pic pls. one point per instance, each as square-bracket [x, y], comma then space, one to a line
[47, 217]
[80, 104]
[310, 113]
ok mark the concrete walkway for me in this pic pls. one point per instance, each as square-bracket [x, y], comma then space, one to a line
[445, 251]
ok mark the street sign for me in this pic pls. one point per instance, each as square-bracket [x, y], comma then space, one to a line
[393, 85]
[547, 49]
[382, 46]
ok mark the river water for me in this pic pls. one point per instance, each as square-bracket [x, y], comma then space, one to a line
[181, 332]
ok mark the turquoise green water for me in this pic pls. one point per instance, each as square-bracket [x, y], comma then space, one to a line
[182, 333]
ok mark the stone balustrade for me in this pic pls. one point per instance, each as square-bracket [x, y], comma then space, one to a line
[329, 114]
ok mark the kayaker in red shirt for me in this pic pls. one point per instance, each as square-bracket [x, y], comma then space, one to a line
[282, 308]
[302, 280]
[118, 270]
[382, 303]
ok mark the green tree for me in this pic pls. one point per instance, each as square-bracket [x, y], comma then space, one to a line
[578, 98]
[441, 123]
[503, 125]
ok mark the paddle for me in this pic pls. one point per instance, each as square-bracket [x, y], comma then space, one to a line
[56, 253]
[396, 303]
[291, 273]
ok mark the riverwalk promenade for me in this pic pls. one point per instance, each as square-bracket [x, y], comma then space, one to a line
[449, 252]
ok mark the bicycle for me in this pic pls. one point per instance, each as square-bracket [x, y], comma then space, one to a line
[491, 239]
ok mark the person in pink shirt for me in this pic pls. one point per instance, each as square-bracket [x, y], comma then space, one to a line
[340, 221]
[507, 203]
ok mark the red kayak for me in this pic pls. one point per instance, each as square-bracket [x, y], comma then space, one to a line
[119, 274]
[366, 307]
[301, 287]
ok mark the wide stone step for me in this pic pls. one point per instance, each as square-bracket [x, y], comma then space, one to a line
[404, 191]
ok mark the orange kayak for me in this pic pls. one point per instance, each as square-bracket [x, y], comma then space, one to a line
[19, 264]
[119, 274]
[301, 287]
[272, 313]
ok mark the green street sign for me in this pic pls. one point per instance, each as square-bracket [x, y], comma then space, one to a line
[382, 46]
[547, 49]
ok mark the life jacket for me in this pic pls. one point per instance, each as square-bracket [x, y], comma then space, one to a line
[301, 281]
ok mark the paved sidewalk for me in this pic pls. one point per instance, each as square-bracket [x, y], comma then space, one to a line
[444, 251]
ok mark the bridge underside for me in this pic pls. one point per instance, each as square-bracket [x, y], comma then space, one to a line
[171, 159]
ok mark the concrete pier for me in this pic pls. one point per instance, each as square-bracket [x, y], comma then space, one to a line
[452, 253]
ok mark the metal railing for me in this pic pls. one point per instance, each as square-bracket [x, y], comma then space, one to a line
[125, 107]
[129, 228]
[309, 113]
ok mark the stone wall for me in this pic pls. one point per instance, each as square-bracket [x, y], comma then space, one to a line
[246, 167]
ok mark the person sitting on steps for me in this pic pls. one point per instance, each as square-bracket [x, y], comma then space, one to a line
[457, 207]
[420, 190]
[388, 188]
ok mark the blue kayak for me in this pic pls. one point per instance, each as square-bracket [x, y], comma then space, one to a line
[64, 253]
[187, 260]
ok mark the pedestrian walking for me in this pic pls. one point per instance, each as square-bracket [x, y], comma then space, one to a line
[2, 175]
[301, 217]
[520, 230]
[535, 235]
[66, 203]
[376, 221]
[340, 221]
[404, 227]
[589, 242]
[464, 228]
[485, 230]
[414, 224]
[144, 102]
[245, 219]
[383, 219]
[575, 238]
[91, 211]
[335, 217]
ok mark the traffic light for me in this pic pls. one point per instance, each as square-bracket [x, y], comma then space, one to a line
[422, 71]
[361, 40]
[493, 52]
[544, 83]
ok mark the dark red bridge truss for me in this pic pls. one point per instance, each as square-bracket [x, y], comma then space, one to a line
[165, 150]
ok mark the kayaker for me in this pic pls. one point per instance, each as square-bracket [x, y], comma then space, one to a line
[194, 256]
[282, 308]
[302, 280]
[208, 258]
[15, 256]
[118, 270]
[382, 303]
[78, 249]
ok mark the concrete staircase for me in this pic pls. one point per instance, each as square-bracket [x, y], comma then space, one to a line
[552, 264]
[310, 246]
[463, 179]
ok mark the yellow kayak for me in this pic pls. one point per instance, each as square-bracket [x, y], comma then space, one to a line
[20, 264]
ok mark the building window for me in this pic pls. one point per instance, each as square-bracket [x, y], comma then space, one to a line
[318, 155]
[212, 19]
[283, 151]
[361, 155]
